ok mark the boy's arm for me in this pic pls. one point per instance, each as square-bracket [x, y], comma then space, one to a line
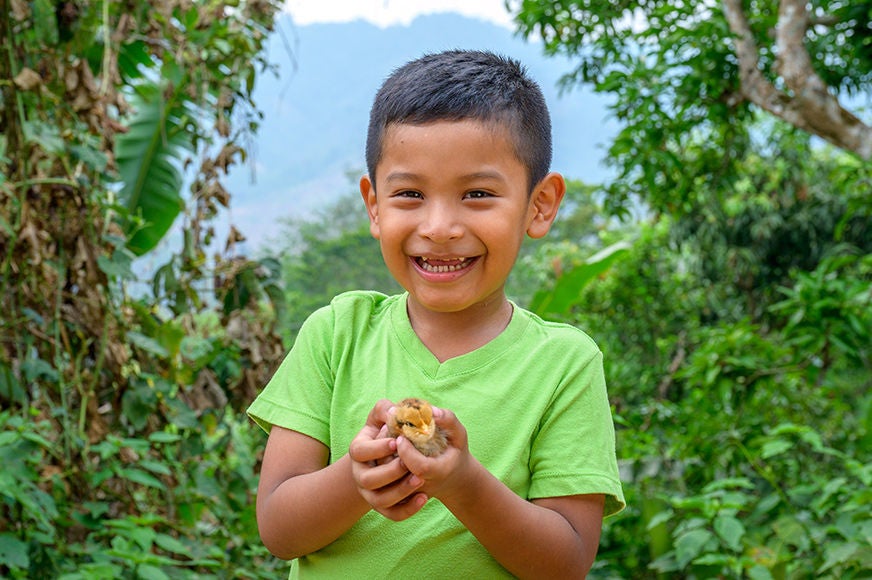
[303, 503]
[554, 537]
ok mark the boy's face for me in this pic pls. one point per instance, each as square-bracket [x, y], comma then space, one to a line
[452, 210]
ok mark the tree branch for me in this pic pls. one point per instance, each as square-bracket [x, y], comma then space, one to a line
[809, 105]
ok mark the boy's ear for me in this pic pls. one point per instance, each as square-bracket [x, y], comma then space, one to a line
[544, 202]
[367, 191]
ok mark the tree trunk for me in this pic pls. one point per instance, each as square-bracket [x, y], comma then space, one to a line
[807, 102]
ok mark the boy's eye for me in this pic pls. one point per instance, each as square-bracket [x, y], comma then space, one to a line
[477, 194]
[409, 194]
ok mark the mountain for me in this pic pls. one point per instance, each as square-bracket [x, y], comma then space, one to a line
[316, 111]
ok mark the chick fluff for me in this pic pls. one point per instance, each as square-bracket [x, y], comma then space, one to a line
[414, 421]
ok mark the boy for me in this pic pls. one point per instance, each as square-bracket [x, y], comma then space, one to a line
[458, 154]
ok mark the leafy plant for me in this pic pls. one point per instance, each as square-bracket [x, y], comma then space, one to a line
[568, 287]
[108, 399]
[149, 157]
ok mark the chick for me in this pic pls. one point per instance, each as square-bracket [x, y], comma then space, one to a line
[414, 421]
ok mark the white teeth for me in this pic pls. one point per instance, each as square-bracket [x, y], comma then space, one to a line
[442, 268]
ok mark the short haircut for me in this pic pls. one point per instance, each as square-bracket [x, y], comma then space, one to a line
[460, 85]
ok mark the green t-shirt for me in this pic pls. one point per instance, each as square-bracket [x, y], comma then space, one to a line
[533, 402]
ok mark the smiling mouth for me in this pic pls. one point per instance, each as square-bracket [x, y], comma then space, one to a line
[441, 266]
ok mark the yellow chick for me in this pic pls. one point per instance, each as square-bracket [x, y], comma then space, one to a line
[414, 421]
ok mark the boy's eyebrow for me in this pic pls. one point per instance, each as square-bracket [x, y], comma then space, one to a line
[408, 176]
[400, 176]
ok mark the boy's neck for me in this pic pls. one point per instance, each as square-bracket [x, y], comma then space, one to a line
[452, 334]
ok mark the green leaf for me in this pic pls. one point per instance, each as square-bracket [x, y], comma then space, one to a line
[690, 545]
[775, 447]
[759, 572]
[731, 531]
[142, 477]
[170, 335]
[149, 156]
[10, 387]
[36, 368]
[13, 552]
[659, 518]
[714, 560]
[147, 344]
[155, 466]
[567, 290]
[45, 21]
[197, 350]
[38, 439]
[148, 572]
[171, 544]
[120, 266]
[143, 536]
[729, 483]
[138, 404]
[164, 437]
[133, 58]
[837, 553]
[94, 570]
[46, 136]
[90, 156]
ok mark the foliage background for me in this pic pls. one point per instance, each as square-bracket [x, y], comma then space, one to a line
[734, 310]
[124, 449]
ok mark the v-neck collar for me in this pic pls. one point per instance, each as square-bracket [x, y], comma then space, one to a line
[465, 363]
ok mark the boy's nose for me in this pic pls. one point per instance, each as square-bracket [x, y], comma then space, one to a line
[441, 224]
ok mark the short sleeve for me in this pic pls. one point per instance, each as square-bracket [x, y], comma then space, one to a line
[298, 395]
[573, 451]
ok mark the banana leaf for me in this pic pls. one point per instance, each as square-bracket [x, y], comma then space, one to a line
[149, 157]
[566, 292]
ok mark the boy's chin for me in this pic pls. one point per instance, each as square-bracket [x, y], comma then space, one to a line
[454, 304]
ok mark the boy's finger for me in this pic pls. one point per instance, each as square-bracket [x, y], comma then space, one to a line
[413, 459]
[399, 500]
[380, 477]
[404, 509]
[451, 425]
[364, 448]
[378, 416]
[444, 417]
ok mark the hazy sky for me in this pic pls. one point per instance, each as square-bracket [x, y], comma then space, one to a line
[391, 12]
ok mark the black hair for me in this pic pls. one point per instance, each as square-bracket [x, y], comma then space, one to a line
[457, 85]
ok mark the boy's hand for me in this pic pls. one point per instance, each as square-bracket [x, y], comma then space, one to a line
[446, 473]
[381, 477]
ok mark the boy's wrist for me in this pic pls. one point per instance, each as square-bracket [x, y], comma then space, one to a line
[463, 492]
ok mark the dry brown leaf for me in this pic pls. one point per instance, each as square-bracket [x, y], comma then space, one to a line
[71, 79]
[20, 10]
[206, 393]
[27, 79]
[234, 237]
